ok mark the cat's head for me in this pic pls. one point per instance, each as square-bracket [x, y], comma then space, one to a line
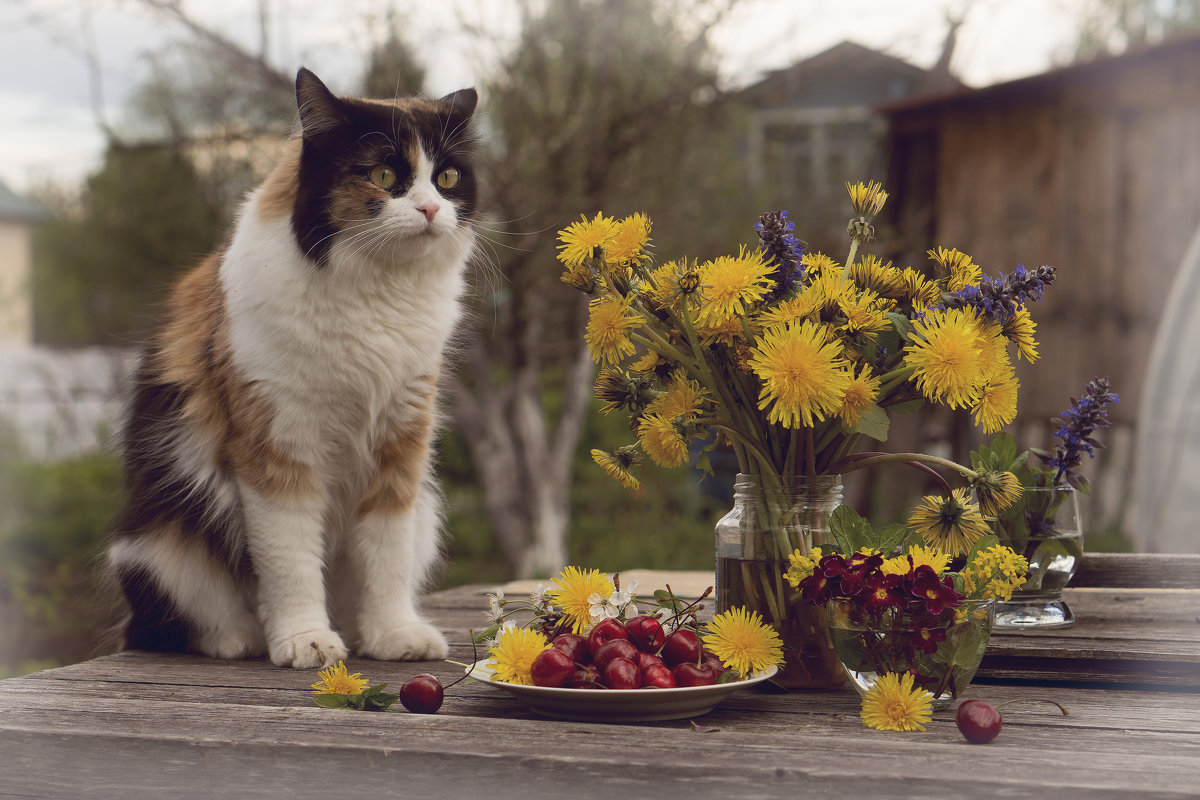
[385, 180]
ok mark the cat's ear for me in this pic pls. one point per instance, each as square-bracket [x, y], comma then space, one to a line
[461, 102]
[319, 109]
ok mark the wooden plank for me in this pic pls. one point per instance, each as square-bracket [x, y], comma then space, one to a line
[787, 743]
[1137, 570]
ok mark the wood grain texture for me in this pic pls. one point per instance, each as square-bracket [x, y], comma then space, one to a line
[151, 725]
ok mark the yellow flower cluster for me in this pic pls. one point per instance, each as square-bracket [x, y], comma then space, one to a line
[995, 572]
[801, 566]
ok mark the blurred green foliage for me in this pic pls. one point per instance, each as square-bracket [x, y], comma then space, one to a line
[99, 269]
[54, 516]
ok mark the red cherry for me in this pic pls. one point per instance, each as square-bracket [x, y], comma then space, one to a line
[689, 674]
[621, 673]
[573, 645]
[647, 660]
[616, 648]
[422, 694]
[978, 721]
[658, 676]
[551, 668]
[680, 647]
[584, 677]
[605, 631]
[646, 632]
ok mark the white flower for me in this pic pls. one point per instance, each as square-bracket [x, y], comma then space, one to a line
[496, 606]
[537, 597]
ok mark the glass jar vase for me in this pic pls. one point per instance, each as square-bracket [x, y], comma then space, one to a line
[770, 519]
[1046, 529]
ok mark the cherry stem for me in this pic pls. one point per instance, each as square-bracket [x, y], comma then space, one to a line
[474, 661]
[1060, 706]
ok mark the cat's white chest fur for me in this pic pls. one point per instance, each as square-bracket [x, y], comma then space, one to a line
[338, 347]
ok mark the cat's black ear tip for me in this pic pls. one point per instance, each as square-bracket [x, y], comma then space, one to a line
[463, 101]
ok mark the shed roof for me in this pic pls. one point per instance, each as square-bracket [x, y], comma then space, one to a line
[15, 207]
[845, 74]
[923, 101]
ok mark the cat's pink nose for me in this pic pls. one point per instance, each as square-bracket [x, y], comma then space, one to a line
[429, 210]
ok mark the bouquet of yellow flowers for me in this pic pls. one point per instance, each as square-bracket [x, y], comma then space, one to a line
[795, 360]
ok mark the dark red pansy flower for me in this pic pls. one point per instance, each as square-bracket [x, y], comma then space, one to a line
[816, 589]
[881, 592]
[937, 595]
[926, 639]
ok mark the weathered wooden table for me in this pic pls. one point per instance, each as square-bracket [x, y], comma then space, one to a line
[146, 725]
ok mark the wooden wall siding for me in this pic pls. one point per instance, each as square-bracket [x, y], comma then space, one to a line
[1094, 169]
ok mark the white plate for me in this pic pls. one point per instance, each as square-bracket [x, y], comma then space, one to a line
[618, 705]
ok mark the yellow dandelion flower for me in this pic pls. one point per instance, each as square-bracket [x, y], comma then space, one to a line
[337, 680]
[1021, 329]
[996, 571]
[802, 373]
[580, 239]
[743, 642]
[667, 283]
[892, 704]
[616, 466]
[570, 591]
[919, 290]
[864, 312]
[860, 394]
[800, 566]
[946, 350]
[683, 398]
[651, 362]
[731, 285]
[794, 309]
[950, 524]
[869, 272]
[958, 268]
[867, 199]
[727, 331]
[662, 440]
[629, 240]
[514, 652]
[996, 491]
[915, 557]
[817, 263]
[609, 322]
[996, 403]
[826, 293]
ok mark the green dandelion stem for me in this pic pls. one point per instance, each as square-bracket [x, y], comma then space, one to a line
[863, 460]
[890, 380]
[741, 437]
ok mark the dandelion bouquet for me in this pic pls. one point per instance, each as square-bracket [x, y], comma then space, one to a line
[909, 614]
[796, 361]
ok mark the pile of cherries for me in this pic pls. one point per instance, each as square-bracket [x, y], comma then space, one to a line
[636, 654]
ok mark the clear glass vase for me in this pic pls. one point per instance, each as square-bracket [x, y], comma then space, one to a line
[769, 520]
[1046, 529]
[942, 651]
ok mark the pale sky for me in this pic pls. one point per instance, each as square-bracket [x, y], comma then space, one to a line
[48, 130]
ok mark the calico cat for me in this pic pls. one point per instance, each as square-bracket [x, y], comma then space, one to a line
[277, 443]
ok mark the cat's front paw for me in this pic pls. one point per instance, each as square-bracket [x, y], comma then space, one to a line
[411, 641]
[308, 650]
[232, 644]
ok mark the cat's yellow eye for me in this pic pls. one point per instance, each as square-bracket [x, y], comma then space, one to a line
[448, 178]
[383, 176]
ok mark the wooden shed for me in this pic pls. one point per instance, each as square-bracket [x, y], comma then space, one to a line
[1093, 168]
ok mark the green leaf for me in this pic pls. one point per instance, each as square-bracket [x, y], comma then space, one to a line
[893, 537]
[331, 700]
[729, 676]
[850, 530]
[487, 633]
[901, 324]
[381, 701]
[874, 423]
